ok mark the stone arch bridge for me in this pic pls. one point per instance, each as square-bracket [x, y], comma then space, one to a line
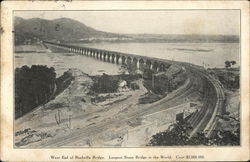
[137, 61]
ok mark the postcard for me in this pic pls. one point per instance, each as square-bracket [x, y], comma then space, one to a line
[125, 81]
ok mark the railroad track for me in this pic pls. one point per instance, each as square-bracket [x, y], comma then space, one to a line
[205, 120]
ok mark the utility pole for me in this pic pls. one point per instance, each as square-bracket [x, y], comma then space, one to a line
[153, 80]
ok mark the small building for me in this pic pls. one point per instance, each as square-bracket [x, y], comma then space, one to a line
[122, 83]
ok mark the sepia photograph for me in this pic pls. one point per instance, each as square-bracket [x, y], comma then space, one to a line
[126, 78]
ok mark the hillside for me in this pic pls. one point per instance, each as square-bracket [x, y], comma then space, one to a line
[65, 29]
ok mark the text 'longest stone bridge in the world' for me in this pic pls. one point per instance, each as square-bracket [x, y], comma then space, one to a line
[132, 60]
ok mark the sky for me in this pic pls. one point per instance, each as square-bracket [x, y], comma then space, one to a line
[215, 22]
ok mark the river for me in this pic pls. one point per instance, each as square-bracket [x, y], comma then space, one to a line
[208, 54]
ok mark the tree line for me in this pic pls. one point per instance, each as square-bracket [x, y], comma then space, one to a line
[34, 86]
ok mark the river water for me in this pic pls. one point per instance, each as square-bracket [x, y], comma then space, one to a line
[205, 54]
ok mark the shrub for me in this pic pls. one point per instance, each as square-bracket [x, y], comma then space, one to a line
[105, 84]
[178, 135]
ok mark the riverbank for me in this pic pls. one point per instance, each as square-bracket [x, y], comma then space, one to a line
[39, 48]
[78, 108]
[76, 102]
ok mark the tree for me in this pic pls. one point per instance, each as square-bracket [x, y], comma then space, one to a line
[233, 62]
[131, 68]
[123, 69]
[105, 84]
[177, 135]
[227, 64]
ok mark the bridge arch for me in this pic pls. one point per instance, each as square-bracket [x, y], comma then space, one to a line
[97, 55]
[94, 54]
[108, 57]
[104, 56]
[87, 52]
[155, 66]
[135, 62]
[117, 59]
[141, 64]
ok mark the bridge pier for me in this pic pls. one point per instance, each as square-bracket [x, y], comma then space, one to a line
[96, 55]
[162, 67]
[117, 59]
[155, 66]
[135, 63]
[123, 60]
[104, 57]
[113, 58]
[148, 64]
[108, 57]
[141, 64]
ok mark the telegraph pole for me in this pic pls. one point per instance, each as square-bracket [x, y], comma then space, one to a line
[153, 80]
